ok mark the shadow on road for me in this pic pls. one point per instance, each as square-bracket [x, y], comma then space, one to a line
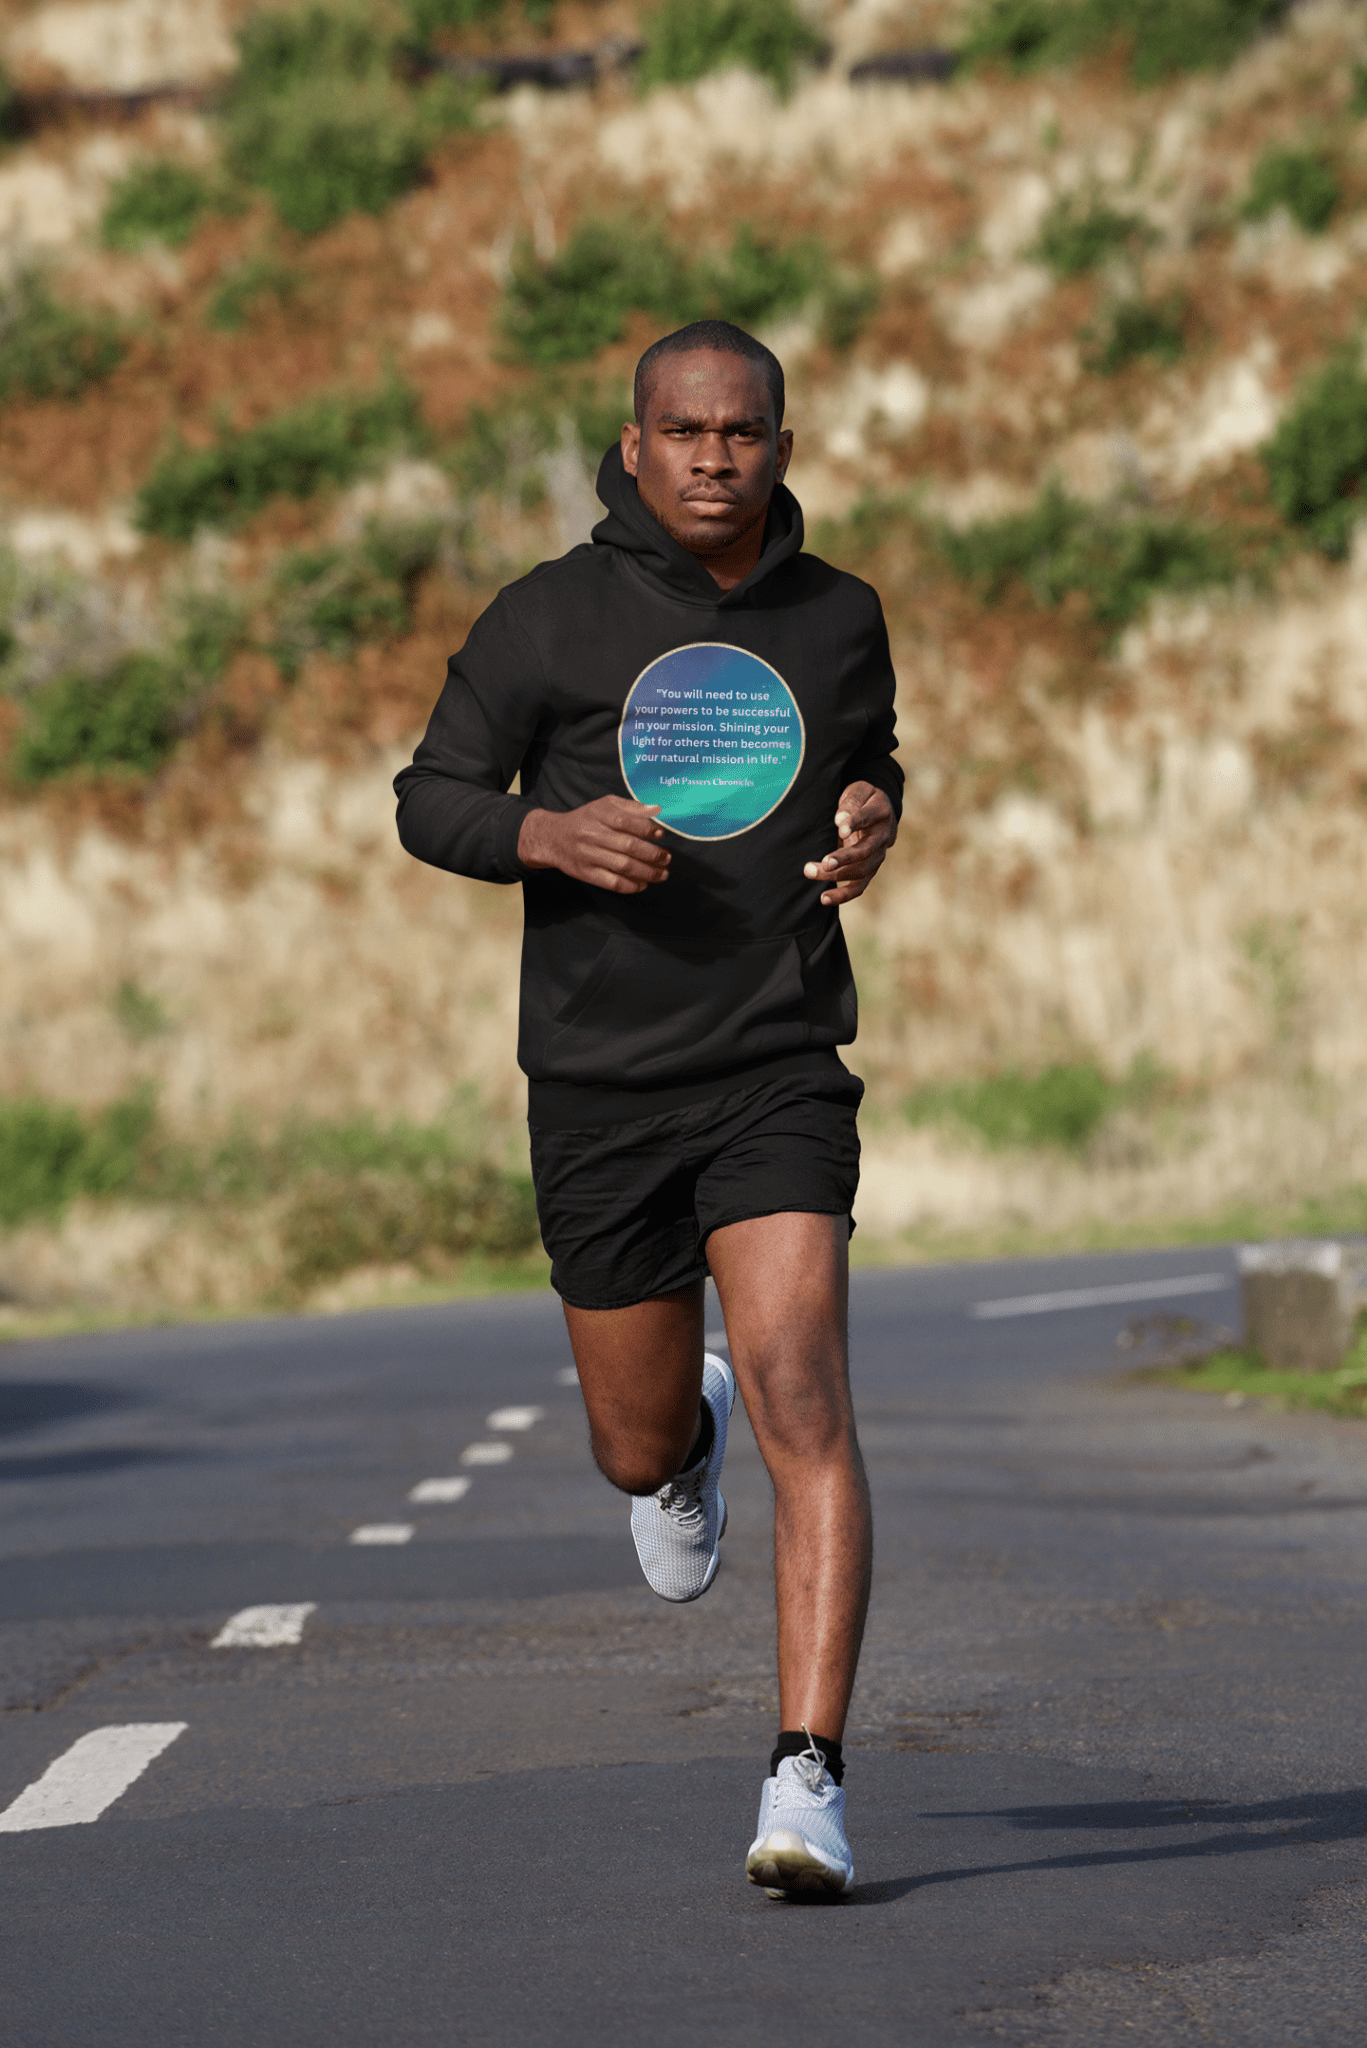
[1290, 1823]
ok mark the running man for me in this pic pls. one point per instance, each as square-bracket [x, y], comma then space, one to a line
[701, 717]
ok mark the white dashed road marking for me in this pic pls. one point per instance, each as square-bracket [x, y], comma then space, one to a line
[486, 1454]
[513, 1418]
[1098, 1297]
[90, 1775]
[264, 1628]
[441, 1489]
[382, 1532]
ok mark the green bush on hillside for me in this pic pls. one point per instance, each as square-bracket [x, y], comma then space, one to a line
[367, 1216]
[1316, 461]
[328, 441]
[579, 302]
[240, 292]
[50, 1153]
[1062, 1106]
[316, 120]
[154, 201]
[1080, 231]
[47, 349]
[1301, 180]
[1163, 37]
[685, 39]
[1061, 547]
[1135, 328]
[335, 599]
[125, 720]
[355, 1192]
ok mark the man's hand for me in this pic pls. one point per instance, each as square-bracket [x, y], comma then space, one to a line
[612, 843]
[867, 828]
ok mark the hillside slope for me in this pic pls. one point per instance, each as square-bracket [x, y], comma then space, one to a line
[1041, 329]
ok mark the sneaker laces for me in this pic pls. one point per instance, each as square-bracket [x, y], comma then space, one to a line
[811, 1764]
[681, 1500]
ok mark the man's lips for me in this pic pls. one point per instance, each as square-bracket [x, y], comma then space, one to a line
[708, 498]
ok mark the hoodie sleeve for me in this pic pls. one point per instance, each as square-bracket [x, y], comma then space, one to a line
[872, 761]
[454, 808]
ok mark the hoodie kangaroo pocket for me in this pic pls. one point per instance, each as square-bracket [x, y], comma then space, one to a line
[645, 1013]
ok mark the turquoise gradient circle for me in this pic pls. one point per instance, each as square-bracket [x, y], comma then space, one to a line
[712, 735]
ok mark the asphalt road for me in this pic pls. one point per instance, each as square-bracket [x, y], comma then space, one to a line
[1106, 1773]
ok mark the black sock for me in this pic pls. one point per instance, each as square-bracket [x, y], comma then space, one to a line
[793, 1742]
[706, 1437]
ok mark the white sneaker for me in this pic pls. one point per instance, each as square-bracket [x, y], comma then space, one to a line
[800, 1846]
[677, 1530]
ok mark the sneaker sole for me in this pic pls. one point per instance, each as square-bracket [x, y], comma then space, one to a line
[785, 1864]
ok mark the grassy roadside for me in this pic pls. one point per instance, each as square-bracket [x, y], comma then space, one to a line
[1241, 1376]
[1341, 1214]
[476, 1279]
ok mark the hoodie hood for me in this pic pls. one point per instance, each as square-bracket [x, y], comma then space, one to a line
[632, 527]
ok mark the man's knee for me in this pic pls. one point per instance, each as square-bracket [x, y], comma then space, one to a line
[800, 1409]
[634, 1468]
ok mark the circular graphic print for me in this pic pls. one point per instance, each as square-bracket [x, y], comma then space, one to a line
[712, 735]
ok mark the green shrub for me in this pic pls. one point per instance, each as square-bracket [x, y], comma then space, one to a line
[281, 48]
[48, 350]
[342, 1219]
[1163, 37]
[685, 39]
[50, 1153]
[154, 201]
[569, 308]
[137, 1011]
[124, 720]
[1135, 328]
[1061, 1106]
[337, 598]
[332, 146]
[316, 120]
[1078, 232]
[1317, 458]
[428, 18]
[237, 294]
[328, 441]
[759, 276]
[1061, 546]
[1301, 180]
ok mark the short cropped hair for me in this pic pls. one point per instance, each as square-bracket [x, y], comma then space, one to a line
[723, 339]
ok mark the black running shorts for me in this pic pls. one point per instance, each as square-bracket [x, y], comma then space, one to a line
[626, 1208]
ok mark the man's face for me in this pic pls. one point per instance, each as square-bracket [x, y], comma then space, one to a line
[707, 458]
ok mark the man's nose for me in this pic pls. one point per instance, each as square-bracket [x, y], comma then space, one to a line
[713, 454]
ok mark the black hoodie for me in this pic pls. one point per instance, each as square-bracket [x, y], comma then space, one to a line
[637, 1002]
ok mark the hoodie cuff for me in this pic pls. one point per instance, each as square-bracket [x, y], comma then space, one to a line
[509, 831]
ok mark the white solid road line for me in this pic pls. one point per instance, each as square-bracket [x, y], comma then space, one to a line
[1098, 1297]
[382, 1532]
[513, 1418]
[264, 1628]
[89, 1776]
[486, 1454]
[441, 1489]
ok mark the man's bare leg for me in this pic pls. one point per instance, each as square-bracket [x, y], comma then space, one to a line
[784, 1288]
[783, 1282]
[640, 1372]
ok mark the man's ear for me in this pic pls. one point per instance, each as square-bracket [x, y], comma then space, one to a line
[784, 453]
[631, 447]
